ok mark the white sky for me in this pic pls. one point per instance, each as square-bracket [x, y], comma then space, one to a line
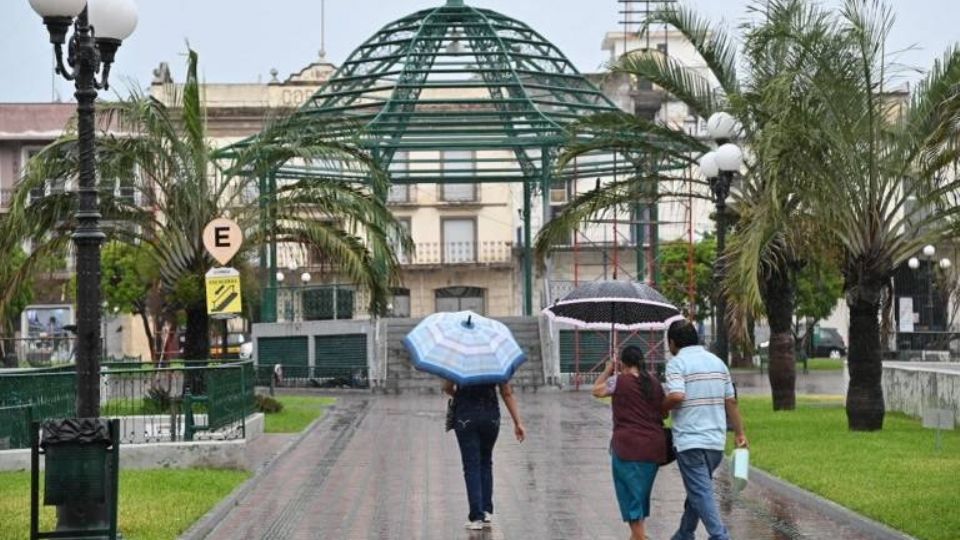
[241, 40]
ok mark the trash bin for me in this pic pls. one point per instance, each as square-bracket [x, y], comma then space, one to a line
[80, 477]
[76, 451]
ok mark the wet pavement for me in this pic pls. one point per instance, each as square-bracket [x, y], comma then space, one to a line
[381, 467]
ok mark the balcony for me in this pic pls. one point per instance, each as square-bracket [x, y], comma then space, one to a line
[6, 198]
[466, 253]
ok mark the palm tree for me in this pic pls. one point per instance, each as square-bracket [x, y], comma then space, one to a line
[162, 155]
[771, 102]
[885, 182]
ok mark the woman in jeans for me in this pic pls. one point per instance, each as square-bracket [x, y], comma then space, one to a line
[477, 424]
[638, 445]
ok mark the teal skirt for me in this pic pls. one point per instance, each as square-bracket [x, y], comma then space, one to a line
[633, 482]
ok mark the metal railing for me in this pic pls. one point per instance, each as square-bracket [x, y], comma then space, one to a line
[434, 253]
[299, 376]
[149, 402]
[321, 303]
[927, 346]
[6, 198]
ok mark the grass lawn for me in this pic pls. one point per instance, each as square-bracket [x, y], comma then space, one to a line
[298, 412]
[825, 364]
[894, 476]
[154, 504]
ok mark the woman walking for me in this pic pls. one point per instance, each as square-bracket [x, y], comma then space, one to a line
[477, 424]
[638, 445]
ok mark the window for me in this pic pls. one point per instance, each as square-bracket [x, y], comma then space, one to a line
[560, 192]
[401, 303]
[567, 239]
[38, 191]
[460, 299]
[399, 168]
[458, 164]
[459, 240]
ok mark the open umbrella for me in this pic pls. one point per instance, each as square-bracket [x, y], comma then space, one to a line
[465, 348]
[615, 305]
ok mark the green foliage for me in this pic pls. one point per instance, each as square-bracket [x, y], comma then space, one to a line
[819, 286]
[894, 476]
[267, 404]
[675, 276]
[154, 504]
[128, 275]
[23, 295]
[158, 400]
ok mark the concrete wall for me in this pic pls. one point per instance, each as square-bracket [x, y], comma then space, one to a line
[179, 455]
[912, 387]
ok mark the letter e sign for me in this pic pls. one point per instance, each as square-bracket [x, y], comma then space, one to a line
[222, 238]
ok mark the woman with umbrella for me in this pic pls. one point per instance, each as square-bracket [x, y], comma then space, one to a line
[638, 445]
[476, 357]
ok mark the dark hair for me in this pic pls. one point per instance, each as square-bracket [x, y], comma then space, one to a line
[683, 334]
[632, 356]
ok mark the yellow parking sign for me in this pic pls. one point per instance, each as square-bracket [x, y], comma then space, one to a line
[224, 299]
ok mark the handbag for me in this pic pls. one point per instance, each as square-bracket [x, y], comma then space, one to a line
[671, 453]
[740, 468]
[451, 415]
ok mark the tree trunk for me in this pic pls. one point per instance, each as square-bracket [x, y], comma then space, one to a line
[197, 346]
[865, 407]
[149, 331]
[779, 300]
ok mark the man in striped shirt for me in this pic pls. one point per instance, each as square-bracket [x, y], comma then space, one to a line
[700, 396]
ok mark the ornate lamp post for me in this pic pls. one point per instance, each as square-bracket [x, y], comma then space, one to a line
[719, 167]
[99, 26]
[929, 252]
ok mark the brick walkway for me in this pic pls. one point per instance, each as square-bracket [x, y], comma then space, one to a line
[382, 468]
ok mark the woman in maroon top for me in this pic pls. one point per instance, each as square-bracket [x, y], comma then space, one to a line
[637, 447]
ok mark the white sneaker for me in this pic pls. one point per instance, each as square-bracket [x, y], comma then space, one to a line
[487, 520]
[474, 526]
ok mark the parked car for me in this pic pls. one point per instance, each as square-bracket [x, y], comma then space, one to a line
[828, 343]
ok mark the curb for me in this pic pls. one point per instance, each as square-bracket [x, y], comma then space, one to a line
[826, 507]
[206, 524]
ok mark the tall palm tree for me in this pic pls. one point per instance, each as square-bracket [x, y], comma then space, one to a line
[163, 154]
[770, 102]
[885, 181]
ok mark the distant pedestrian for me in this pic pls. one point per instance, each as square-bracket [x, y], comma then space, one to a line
[638, 445]
[700, 395]
[477, 425]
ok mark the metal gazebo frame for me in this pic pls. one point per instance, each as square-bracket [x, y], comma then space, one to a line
[456, 77]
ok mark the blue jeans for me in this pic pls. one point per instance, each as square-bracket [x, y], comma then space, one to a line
[476, 437]
[696, 468]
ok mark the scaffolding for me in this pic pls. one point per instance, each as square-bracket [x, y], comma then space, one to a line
[638, 228]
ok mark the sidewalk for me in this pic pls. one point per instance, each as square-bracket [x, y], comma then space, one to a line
[382, 468]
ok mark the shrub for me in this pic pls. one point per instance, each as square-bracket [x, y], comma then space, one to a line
[157, 400]
[267, 404]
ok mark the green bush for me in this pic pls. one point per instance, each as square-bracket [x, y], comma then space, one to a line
[157, 400]
[267, 404]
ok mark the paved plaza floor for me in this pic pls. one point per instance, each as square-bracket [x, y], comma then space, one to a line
[382, 467]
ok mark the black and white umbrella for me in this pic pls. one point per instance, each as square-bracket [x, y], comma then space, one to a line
[615, 305]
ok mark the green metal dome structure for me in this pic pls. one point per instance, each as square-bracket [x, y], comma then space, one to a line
[460, 78]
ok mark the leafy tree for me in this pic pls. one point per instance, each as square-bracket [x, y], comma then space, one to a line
[675, 274]
[128, 280]
[885, 180]
[162, 154]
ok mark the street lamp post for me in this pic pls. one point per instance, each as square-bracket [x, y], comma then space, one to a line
[719, 167]
[929, 252]
[99, 26]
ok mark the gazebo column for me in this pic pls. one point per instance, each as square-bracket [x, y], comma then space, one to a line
[527, 251]
[268, 254]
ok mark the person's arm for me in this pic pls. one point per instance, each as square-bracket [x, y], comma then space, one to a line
[506, 392]
[449, 388]
[600, 387]
[733, 415]
[676, 388]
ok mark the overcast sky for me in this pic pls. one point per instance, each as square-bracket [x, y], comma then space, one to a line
[241, 40]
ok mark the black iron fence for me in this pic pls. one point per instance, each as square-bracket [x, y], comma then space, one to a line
[151, 403]
[300, 376]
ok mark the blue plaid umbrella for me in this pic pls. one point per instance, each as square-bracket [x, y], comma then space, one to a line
[465, 348]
